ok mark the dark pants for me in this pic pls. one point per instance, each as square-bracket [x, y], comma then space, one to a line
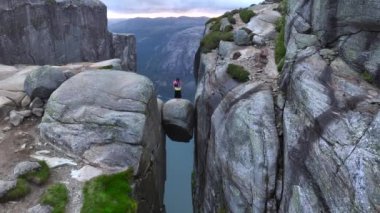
[177, 94]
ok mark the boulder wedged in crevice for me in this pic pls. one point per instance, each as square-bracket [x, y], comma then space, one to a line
[178, 119]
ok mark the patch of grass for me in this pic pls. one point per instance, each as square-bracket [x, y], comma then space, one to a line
[228, 15]
[56, 196]
[211, 40]
[21, 190]
[246, 15]
[222, 210]
[216, 26]
[228, 28]
[281, 64]
[238, 72]
[280, 48]
[212, 20]
[39, 176]
[368, 77]
[231, 19]
[106, 194]
[109, 67]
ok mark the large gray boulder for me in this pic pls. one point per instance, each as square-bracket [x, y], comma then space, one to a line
[6, 105]
[58, 32]
[40, 209]
[6, 186]
[242, 37]
[178, 119]
[111, 119]
[42, 82]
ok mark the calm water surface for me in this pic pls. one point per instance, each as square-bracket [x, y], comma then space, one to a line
[179, 158]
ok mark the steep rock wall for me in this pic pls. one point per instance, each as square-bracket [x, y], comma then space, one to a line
[59, 32]
[237, 141]
[331, 115]
[310, 146]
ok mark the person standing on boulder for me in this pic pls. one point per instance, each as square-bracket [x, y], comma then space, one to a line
[177, 88]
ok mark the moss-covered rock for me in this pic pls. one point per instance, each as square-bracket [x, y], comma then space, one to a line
[246, 15]
[40, 175]
[21, 189]
[238, 73]
[56, 196]
[110, 193]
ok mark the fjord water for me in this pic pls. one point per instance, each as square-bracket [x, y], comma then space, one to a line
[179, 162]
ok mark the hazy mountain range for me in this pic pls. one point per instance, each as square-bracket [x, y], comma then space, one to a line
[165, 49]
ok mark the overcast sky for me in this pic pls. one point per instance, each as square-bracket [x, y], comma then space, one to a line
[165, 8]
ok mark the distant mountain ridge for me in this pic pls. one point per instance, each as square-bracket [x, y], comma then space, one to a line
[165, 48]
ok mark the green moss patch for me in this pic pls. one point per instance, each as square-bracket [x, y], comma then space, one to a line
[246, 15]
[109, 67]
[107, 194]
[228, 15]
[231, 19]
[56, 196]
[280, 48]
[21, 190]
[211, 40]
[39, 176]
[216, 26]
[368, 77]
[228, 28]
[238, 73]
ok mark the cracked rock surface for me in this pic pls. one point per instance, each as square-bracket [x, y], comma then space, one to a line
[304, 141]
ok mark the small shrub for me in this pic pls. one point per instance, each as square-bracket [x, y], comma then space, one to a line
[238, 73]
[56, 196]
[246, 15]
[281, 64]
[216, 26]
[212, 20]
[231, 19]
[228, 28]
[368, 77]
[39, 176]
[111, 193]
[233, 12]
[280, 48]
[211, 40]
[228, 15]
[283, 7]
[21, 190]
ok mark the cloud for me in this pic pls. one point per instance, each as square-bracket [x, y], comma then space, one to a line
[130, 7]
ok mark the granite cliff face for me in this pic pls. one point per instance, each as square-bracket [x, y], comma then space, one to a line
[305, 140]
[331, 116]
[66, 31]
